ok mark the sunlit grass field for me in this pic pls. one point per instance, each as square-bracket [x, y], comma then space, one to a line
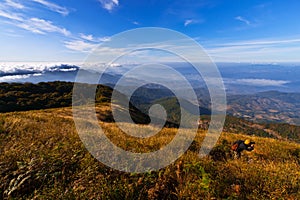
[42, 157]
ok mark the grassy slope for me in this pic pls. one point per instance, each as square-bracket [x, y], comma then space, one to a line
[28, 96]
[42, 157]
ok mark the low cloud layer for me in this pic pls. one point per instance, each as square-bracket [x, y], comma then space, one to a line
[17, 69]
[259, 82]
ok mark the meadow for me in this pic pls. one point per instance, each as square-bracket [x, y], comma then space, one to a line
[42, 157]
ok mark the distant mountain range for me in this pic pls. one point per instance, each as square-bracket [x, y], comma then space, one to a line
[256, 92]
[271, 106]
[238, 78]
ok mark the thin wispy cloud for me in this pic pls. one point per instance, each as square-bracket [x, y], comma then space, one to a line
[188, 22]
[42, 26]
[46, 17]
[9, 15]
[192, 21]
[87, 37]
[109, 4]
[284, 50]
[266, 50]
[54, 7]
[80, 46]
[33, 24]
[262, 42]
[85, 43]
[14, 4]
[242, 19]
[91, 38]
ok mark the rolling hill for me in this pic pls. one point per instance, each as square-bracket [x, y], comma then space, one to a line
[28, 96]
[262, 107]
[42, 157]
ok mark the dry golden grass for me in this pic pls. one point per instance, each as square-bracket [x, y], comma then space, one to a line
[42, 157]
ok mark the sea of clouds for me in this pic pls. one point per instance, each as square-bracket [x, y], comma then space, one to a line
[237, 79]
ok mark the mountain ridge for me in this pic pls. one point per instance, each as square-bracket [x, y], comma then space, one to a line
[22, 97]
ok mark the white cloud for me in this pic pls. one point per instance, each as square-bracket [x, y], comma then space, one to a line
[115, 65]
[188, 22]
[192, 21]
[91, 38]
[35, 25]
[13, 78]
[79, 45]
[42, 26]
[104, 39]
[30, 28]
[54, 7]
[87, 37]
[33, 67]
[261, 82]
[136, 23]
[242, 19]
[9, 15]
[109, 4]
[18, 71]
[14, 4]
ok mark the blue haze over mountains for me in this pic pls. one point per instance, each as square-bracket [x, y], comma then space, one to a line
[239, 78]
[256, 92]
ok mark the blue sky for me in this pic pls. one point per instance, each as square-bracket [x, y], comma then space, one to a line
[229, 30]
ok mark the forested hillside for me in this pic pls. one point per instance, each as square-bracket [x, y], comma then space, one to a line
[28, 96]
